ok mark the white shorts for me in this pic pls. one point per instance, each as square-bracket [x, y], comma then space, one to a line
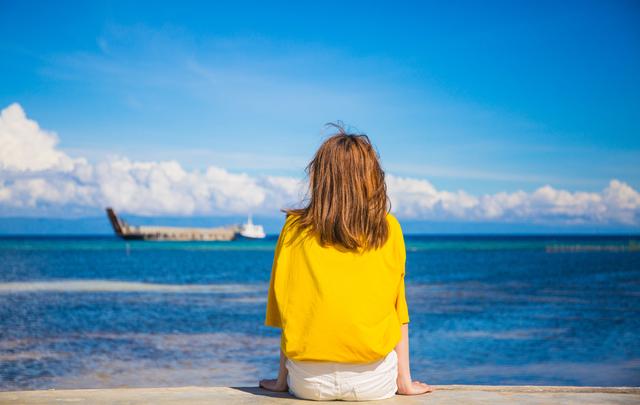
[325, 381]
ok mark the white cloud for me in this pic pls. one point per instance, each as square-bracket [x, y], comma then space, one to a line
[37, 177]
[26, 147]
[419, 199]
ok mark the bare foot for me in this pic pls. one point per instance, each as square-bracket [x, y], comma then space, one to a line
[414, 388]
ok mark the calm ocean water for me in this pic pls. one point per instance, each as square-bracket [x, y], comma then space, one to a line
[99, 312]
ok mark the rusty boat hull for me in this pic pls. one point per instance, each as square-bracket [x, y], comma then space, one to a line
[168, 233]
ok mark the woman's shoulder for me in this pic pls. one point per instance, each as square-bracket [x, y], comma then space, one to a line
[392, 218]
[291, 220]
[393, 222]
[291, 228]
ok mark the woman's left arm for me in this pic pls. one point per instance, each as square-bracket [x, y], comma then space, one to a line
[273, 316]
[279, 384]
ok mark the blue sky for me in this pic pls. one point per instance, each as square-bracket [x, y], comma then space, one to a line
[503, 97]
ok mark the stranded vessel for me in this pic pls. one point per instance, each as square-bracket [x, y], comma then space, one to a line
[169, 233]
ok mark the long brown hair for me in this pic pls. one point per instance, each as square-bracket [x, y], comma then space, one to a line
[348, 202]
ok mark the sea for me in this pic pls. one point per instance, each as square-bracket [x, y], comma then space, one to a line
[97, 311]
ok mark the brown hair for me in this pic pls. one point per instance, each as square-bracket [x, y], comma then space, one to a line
[348, 201]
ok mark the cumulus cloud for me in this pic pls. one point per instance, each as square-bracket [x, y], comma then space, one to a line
[36, 176]
[24, 146]
[419, 199]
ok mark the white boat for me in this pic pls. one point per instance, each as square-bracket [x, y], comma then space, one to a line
[252, 231]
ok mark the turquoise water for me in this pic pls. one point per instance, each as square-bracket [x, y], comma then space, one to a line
[101, 312]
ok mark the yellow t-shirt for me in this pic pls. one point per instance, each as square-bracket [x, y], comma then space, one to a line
[335, 305]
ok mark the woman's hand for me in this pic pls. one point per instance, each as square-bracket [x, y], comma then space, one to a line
[413, 387]
[406, 386]
[274, 385]
[279, 384]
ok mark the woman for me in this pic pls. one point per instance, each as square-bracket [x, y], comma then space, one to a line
[337, 284]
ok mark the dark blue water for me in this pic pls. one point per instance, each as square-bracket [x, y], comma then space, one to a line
[99, 312]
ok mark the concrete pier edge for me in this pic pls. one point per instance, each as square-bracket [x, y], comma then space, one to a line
[444, 394]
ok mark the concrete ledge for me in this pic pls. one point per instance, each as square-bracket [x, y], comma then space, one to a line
[444, 394]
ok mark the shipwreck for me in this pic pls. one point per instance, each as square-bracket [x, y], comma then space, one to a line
[170, 233]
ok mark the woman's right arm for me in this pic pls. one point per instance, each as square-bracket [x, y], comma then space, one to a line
[405, 385]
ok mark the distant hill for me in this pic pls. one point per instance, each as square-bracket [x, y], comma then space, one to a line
[100, 226]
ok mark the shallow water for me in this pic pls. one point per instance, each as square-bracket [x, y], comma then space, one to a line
[100, 312]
